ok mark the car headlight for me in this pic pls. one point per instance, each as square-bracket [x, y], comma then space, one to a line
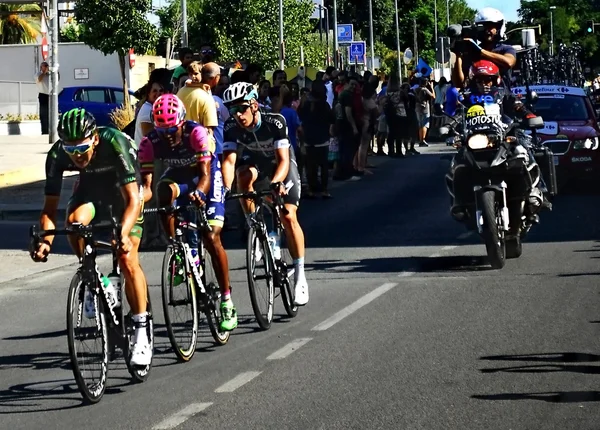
[478, 141]
[589, 143]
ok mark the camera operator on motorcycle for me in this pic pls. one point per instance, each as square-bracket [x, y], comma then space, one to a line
[485, 79]
[483, 42]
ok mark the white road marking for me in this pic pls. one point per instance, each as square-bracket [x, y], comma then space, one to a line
[237, 382]
[449, 247]
[406, 274]
[181, 416]
[289, 348]
[348, 310]
[465, 235]
[435, 255]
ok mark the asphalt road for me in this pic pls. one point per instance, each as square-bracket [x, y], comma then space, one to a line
[406, 328]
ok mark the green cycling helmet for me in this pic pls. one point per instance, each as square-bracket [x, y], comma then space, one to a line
[76, 124]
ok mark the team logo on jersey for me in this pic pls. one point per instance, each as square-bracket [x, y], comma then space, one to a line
[475, 110]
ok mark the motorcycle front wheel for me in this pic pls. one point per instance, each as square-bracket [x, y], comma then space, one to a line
[494, 243]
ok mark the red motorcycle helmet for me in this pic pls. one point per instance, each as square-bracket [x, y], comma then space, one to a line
[485, 68]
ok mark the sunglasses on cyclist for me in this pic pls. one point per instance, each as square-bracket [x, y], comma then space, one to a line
[233, 110]
[486, 79]
[166, 130]
[82, 148]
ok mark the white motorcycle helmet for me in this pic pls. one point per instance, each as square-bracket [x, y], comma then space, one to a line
[489, 14]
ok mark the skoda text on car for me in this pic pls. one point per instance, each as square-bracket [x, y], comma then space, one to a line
[570, 130]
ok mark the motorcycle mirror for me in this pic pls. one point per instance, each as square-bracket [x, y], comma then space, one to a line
[534, 123]
[444, 131]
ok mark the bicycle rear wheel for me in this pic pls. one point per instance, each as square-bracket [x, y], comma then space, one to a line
[90, 367]
[179, 304]
[260, 278]
[211, 304]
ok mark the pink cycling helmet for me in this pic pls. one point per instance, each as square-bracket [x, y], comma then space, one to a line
[168, 111]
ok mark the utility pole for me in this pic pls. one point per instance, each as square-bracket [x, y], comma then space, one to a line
[336, 48]
[281, 42]
[371, 36]
[53, 30]
[184, 30]
[398, 41]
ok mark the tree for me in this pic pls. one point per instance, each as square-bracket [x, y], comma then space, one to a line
[568, 19]
[249, 30]
[115, 27]
[169, 18]
[17, 26]
[70, 32]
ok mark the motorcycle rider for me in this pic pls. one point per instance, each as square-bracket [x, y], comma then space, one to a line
[485, 79]
[491, 30]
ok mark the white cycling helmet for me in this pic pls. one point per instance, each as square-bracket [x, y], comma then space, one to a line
[489, 14]
[239, 91]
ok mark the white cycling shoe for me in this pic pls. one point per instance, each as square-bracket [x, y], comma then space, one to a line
[301, 292]
[141, 354]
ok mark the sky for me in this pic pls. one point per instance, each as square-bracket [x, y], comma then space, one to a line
[507, 7]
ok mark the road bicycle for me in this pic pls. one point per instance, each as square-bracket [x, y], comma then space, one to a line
[267, 262]
[108, 328]
[187, 289]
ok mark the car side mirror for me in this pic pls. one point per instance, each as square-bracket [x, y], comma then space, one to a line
[534, 123]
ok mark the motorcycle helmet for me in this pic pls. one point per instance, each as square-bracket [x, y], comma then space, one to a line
[491, 15]
[485, 72]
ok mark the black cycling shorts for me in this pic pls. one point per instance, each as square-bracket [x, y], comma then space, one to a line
[99, 198]
[266, 167]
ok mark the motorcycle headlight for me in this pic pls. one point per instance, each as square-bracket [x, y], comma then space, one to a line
[478, 141]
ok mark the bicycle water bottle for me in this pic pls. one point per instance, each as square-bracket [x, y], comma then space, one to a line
[274, 244]
[112, 285]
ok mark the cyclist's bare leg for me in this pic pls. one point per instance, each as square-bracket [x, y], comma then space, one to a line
[82, 214]
[167, 193]
[246, 176]
[135, 281]
[293, 232]
[212, 241]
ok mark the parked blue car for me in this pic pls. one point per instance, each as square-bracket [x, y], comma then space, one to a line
[98, 100]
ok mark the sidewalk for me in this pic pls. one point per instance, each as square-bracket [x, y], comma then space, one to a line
[23, 174]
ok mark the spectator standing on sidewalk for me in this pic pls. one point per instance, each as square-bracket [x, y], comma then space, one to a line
[186, 56]
[369, 120]
[425, 95]
[317, 124]
[348, 130]
[42, 80]
[143, 120]
[396, 113]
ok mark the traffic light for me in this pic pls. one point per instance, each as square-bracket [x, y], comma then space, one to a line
[590, 26]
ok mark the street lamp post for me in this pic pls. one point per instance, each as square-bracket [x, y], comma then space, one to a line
[184, 29]
[336, 59]
[53, 120]
[552, 30]
[281, 45]
[371, 36]
[398, 41]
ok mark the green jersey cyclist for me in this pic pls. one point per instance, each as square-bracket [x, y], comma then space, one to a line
[109, 174]
[267, 155]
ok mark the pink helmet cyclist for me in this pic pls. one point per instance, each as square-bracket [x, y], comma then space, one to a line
[168, 111]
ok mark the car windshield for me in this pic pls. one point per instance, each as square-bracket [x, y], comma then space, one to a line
[563, 108]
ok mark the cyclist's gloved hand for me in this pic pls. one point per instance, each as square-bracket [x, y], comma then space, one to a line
[39, 251]
[278, 188]
[226, 192]
[198, 197]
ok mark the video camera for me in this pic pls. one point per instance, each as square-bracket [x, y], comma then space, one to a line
[458, 32]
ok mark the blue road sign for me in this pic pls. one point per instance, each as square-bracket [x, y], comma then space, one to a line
[423, 65]
[357, 49]
[345, 32]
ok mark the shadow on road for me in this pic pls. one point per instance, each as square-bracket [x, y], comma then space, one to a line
[459, 263]
[548, 396]
[555, 362]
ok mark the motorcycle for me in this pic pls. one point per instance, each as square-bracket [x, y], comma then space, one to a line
[493, 175]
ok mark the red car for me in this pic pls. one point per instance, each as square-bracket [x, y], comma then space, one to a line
[570, 130]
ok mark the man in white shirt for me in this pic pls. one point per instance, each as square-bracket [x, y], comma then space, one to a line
[42, 80]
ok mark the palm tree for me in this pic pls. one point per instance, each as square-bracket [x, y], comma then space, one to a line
[18, 25]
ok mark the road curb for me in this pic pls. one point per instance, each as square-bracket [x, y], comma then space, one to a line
[25, 175]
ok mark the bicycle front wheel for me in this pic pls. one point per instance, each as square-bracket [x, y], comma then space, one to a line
[260, 278]
[179, 304]
[89, 363]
